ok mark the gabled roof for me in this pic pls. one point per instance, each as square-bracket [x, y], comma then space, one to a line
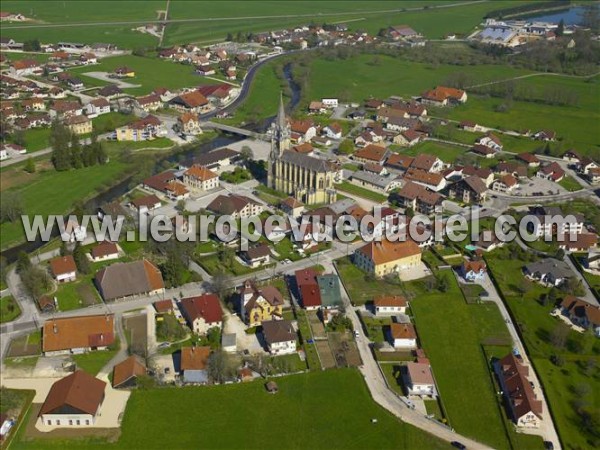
[127, 369]
[131, 278]
[390, 301]
[372, 152]
[227, 205]
[62, 265]
[194, 358]
[403, 331]
[387, 251]
[79, 391]
[518, 390]
[441, 93]
[77, 332]
[191, 99]
[201, 173]
[206, 306]
[307, 162]
[276, 331]
[104, 248]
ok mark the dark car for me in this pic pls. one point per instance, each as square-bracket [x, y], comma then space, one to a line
[548, 445]
[457, 445]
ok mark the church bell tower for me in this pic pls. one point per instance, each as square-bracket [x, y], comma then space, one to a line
[280, 141]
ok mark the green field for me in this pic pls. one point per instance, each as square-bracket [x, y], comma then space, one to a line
[459, 365]
[93, 362]
[36, 139]
[150, 73]
[328, 410]
[359, 191]
[9, 309]
[50, 192]
[536, 325]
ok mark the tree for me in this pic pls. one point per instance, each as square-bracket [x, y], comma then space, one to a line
[32, 45]
[218, 366]
[226, 255]
[246, 153]
[560, 30]
[81, 260]
[59, 140]
[23, 262]
[11, 206]
[229, 37]
[19, 137]
[29, 166]
[75, 149]
[35, 281]
[346, 147]
[221, 283]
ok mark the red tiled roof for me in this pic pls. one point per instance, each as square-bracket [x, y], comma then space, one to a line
[206, 306]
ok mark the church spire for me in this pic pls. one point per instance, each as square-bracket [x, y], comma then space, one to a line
[281, 114]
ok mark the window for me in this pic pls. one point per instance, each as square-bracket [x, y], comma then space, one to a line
[57, 422]
[70, 422]
[87, 422]
[78, 422]
[49, 422]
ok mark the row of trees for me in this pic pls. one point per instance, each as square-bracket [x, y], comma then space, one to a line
[68, 153]
[35, 279]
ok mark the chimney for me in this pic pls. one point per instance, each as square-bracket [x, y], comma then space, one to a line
[55, 328]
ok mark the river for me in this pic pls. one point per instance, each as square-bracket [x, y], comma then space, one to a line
[123, 187]
[571, 16]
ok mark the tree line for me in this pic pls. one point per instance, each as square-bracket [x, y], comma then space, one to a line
[68, 152]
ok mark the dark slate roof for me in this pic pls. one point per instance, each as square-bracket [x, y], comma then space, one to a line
[306, 162]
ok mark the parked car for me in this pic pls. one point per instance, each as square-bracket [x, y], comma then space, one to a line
[458, 445]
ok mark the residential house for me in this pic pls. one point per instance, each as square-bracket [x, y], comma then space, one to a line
[483, 173]
[581, 313]
[194, 362]
[330, 102]
[505, 183]
[474, 127]
[528, 158]
[308, 287]
[105, 251]
[110, 91]
[333, 131]
[490, 140]
[303, 130]
[292, 207]
[408, 138]
[63, 268]
[193, 102]
[149, 103]
[375, 182]
[418, 379]
[65, 108]
[33, 104]
[586, 165]
[469, 190]
[126, 372]
[371, 154]
[552, 221]
[124, 72]
[402, 335]
[473, 270]
[427, 162]
[483, 151]
[146, 128]
[523, 407]
[279, 336]
[78, 124]
[545, 135]
[572, 156]
[258, 304]
[97, 107]
[73, 401]
[316, 107]
[549, 271]
[443, 96]
[88, 58]
[215, 160]
[434, 181]
[200, 178]
[387, 257]
[121, 280]
[578, 242]
[188, 123]
[202, 313]
[235, 206]
[511, 168]
[551, 171]
[146, 203]
[25, 67]
[390, 304]
[77, 334]
[257, 255]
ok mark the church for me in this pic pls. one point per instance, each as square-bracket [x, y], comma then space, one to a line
[308, 179]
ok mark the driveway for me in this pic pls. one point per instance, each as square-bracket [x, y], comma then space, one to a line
[244, 341]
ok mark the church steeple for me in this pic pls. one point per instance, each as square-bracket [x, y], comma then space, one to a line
[281, 133]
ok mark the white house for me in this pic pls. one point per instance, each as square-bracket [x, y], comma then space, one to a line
[418, 379]
[333, 131]
[202, 313]
[63, 268]
[403, 335]
[73, 401]
[280, 336]
[105, 251]
[97, 107]
[390, 304]
[473, 270]
[330, 102]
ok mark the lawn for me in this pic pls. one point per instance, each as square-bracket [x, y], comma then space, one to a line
[92, 362]
[120, 146]
[36, 139]
[360, 287]
[9, 309]
[312, 358]
[458, 362]
[353, 189]
[212, 265]
[447, 153]
[51, 192]
[536, 326]
[76, 294]
[150, 73]
[570, 184]
[112, 120]
[328, 410]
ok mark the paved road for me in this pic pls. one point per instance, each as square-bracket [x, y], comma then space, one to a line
[386, 397]
[547, 429]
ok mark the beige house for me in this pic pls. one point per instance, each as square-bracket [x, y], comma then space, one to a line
[79, 124]
[188, 123]
[199, 177]
[387, 257]
[202, 313]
